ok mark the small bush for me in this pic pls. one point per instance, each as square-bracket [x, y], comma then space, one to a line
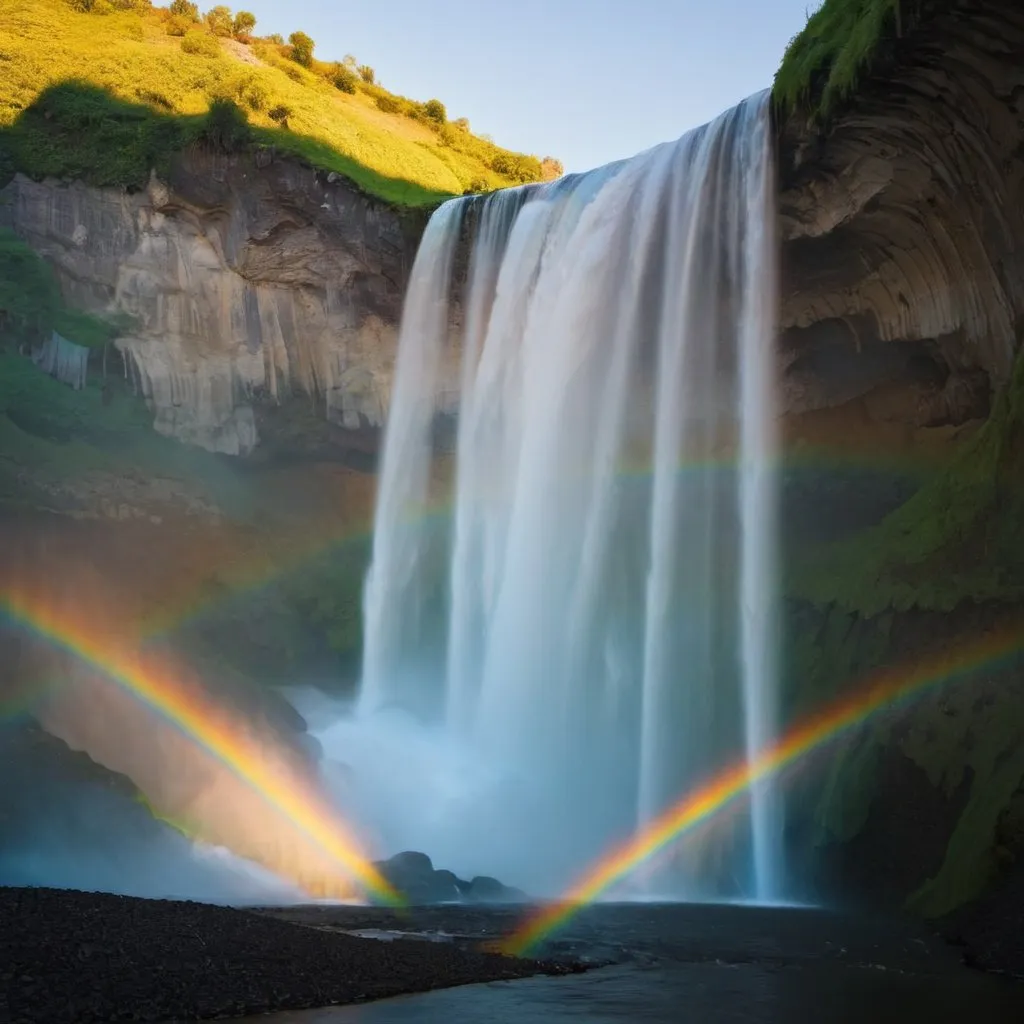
[242, 26]
[343, 79]
[226, 127]
[550, 168]
[280, 113]
[462, 124]
[302, 48]
[153, 98]
[446, 135]
[367, 74]
[107, 6]
[178, 26]
[199, 43]
[517, 167]
[276, 38]
[184, 9]
[252, 91]
[220, 21]
[477, 185]
[434, 110]
[389, 104]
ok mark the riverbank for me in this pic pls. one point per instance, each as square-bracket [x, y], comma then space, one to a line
[76, 957]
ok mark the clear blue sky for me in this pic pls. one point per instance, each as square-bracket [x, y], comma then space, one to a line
[587, 81]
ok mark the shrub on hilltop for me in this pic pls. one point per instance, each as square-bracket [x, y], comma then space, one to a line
[243, 25]
[344, 79]
[220, 21]
[302, 48]
[184, 9]
[435, 111]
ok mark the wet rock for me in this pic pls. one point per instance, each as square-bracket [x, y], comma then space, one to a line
[484, 889]
[414, 875]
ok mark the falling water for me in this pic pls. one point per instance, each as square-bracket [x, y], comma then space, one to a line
[594, 622]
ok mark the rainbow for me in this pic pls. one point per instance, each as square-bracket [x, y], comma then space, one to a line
[877, 692]
[206, 725]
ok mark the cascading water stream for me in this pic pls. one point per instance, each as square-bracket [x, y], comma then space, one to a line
[594, 623]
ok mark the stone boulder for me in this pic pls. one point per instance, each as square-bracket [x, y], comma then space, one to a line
[413, 874]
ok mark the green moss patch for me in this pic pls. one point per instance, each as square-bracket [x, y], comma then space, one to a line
[957, 539]
[841, 43]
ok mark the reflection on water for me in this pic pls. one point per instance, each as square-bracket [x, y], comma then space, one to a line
[705, 993]
[709, 964]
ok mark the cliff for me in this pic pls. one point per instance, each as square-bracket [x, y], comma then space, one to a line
[253, 279]
[249, 278]
[901, 164]
[902, 220]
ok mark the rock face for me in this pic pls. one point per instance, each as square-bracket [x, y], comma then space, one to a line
[247, 278]
[903, 228]
[251, 278]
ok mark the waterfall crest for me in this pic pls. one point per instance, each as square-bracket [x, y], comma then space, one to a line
[595, 618]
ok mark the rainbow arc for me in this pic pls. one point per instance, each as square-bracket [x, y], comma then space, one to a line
[882, 690]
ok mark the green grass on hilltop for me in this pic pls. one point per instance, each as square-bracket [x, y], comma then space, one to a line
[104, 95]
[842, 40]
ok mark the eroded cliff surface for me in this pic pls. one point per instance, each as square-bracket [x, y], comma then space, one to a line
[247, 277]
[902, 221]
[903, 226]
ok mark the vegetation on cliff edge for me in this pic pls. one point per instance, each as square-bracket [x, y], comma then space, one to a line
[146, 79]
[841, 43]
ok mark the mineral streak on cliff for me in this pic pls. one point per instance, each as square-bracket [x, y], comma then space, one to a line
[248, 277]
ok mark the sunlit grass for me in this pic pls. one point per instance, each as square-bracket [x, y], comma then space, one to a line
[44, 43]
[841, 41]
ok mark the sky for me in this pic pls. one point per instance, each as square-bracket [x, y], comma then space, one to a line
[586, 81]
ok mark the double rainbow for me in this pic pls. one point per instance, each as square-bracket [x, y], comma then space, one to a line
[879, 691]
[159, 687]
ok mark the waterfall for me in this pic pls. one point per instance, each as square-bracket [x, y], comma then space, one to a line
[592, 617]
[63, 360]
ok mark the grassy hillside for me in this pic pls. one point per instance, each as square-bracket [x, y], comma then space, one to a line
[103, 89]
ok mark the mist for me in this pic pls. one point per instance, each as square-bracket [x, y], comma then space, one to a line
[414, 785]
[67, 823]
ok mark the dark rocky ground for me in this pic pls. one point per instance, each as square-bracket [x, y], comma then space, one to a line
[75, 957]
[990, 932]
[70, 956]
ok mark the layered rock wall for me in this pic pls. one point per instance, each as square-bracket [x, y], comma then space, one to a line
[903, 227]
[246, 277]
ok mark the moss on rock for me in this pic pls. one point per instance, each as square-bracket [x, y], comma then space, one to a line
[980, 733]
[843, 42]
[955, 540]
